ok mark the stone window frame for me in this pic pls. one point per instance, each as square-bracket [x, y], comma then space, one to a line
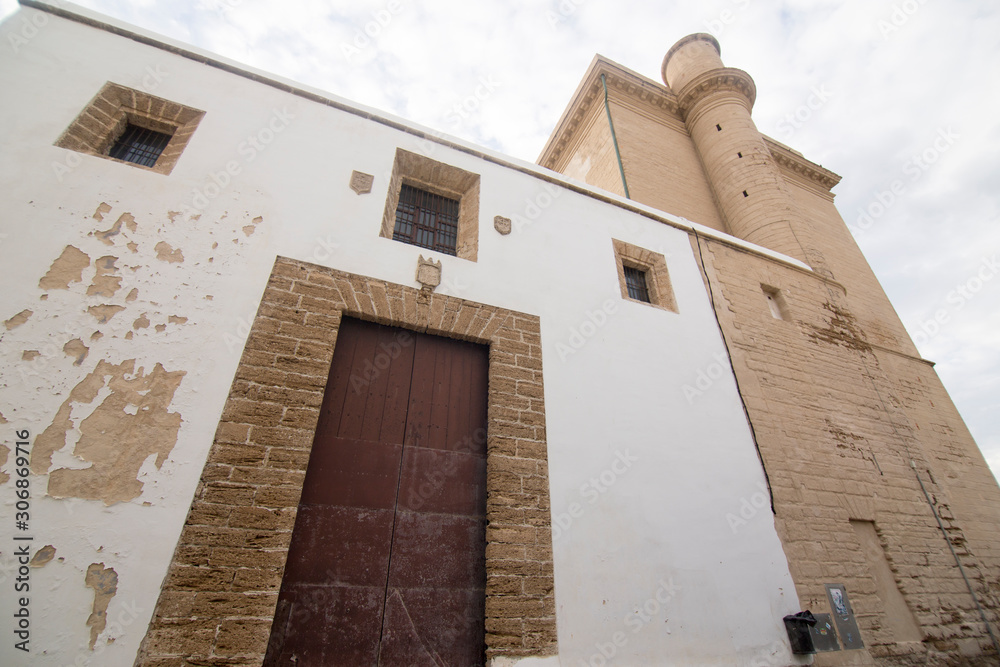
[654, 265]
[95, 130]
[422, 172]
[220, 593]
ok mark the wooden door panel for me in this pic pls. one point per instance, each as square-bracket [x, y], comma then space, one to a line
[327, 626]
[363, 382]
[425, 547]
[433, 622]
[338, 384]
[440, 393]
[418, 412]
[458, 401]
[388, 549]
[391, 371]
[352, 473]
[340, 546]
[442, 481]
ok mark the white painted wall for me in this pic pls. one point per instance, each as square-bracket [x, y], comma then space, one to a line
[650, 566]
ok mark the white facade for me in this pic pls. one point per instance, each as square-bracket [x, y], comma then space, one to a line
[665, 546]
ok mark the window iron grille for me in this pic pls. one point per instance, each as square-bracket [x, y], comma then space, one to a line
[427, 220]
[635, 280]
[139, 145]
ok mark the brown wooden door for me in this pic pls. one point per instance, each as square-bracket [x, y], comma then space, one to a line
[387, 558]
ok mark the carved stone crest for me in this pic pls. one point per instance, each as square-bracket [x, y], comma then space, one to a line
[502, 224]
[428, 273]
[361, 183]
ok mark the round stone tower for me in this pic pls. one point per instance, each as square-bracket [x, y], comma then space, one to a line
[716, 101]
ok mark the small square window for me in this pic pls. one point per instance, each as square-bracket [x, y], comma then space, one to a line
[427, 220]
[432, 205]
[643, 276]
[635, 281]
[132, 126]
[139, 145]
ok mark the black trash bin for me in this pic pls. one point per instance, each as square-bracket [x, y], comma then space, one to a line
[798, 628]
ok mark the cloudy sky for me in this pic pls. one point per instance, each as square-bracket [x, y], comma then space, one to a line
[899, 97]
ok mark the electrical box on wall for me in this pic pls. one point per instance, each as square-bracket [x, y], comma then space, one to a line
[818, 633]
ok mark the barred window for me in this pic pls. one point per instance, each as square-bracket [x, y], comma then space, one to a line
[427, 220]
[643, 276]
[139, 145]
[132, 126]
[635, 279]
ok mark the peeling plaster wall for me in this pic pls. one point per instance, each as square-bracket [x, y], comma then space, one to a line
[128, 297]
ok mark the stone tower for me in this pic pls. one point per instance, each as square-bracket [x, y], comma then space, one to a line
[715, 102]
[871, 469]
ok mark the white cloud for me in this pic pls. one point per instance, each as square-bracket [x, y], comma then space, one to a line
[895, 80]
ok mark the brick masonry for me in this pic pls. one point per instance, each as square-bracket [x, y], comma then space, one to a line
[220, 593]
[839, 398]
[838, 422]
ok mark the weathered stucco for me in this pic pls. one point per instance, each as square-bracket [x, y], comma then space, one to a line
[67, 268]
[18, 320]
[104, 581]
[43, 556]
[131, 424]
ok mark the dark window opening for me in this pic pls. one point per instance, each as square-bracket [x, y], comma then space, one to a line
[139, 145]
[427, 220]
[635, 280]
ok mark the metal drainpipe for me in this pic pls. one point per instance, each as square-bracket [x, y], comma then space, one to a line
[607, 108]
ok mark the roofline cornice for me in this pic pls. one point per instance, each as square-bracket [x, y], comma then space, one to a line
[657, 99]
[643, 92]
[797, 163]
[724, 80]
